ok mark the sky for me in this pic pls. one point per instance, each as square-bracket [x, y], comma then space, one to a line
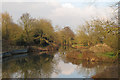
[63, 13]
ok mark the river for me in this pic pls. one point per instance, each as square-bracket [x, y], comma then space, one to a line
[55, 65]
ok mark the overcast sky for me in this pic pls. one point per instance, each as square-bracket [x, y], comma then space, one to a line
[61, 12]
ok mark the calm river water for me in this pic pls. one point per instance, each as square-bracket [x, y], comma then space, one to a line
[55, 65]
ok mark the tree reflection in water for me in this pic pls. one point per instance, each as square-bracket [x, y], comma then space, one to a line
[51, 66]
[30, 67]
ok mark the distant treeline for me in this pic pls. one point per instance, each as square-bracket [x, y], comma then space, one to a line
[40, 32]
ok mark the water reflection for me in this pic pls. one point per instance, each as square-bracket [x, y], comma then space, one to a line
[29, 67]
[49, 66]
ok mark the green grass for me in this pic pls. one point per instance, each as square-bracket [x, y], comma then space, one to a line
[80, 55]
[111, 54]
[107, 54]
[78, 45]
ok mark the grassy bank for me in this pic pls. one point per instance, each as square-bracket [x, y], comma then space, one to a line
[91, 56]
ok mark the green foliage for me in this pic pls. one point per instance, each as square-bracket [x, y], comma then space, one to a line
[66, 36]
[107, 54]
[6, 21]
[26, 23]
[80, 55]
[30, 31]
[10, 31]
[99, 31]
[40, 32]
[82, 37]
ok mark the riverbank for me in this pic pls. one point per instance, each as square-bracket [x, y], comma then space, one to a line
[86, 54]
[96, 53]
[18, 50]
[39, 49]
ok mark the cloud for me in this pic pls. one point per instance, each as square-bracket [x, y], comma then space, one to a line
[68, 15]
[62, 14]
[68, 5]
[66, 69]
[60, 0]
